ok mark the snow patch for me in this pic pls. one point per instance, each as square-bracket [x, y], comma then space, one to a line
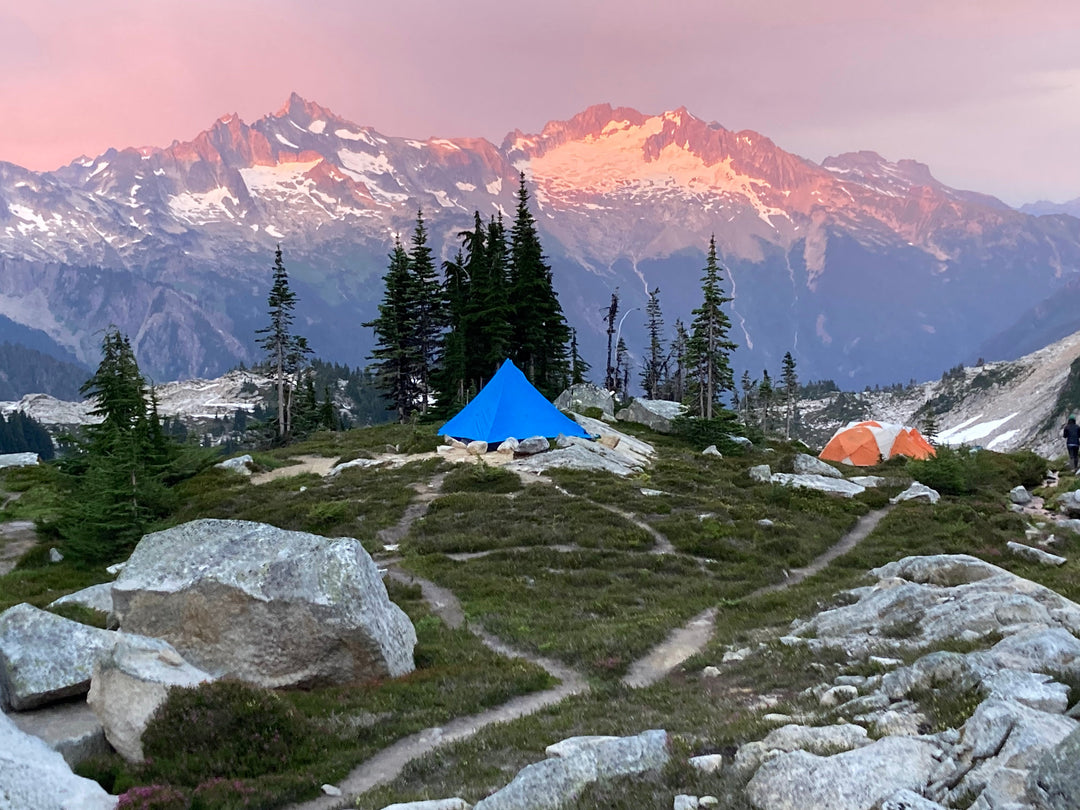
[270, 229]
[100, 168]
[282, 139]
[280, 176]
[201, 208]
[465, 186]
[494, 187]
[318, 127]
[972, 430]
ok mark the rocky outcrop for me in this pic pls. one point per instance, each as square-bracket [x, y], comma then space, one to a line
[853, 780]
[18, 459]
[240, 464]
[130, 683]
[583, 396]
[271, 607]
[96, 597]
[34, 777]
[70, 728]
[820, 483]
[551, 783]
[1053, 780]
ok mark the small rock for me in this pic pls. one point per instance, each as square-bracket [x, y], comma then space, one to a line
[777, 719]
[509, 445]
[712, 451]
[237, 465]
[476, 448]
[1035, 554]
[765, 522]
[1019, 495]
[710, 672]
[651, 493]
[532, 446]
[708, 763]
[55, 556]
[838, 694]
[761, 472]
[115, 568]
[331, 790]
[708, 801]
[684, 802]
[811, 465]
[917, 490]
[736, 655]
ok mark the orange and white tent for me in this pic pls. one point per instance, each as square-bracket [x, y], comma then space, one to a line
[864, 444]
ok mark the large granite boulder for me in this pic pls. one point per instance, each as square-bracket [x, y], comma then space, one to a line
[45, 658]
[820, 483]
[582, 396]
[657, 414]
[130, 683]
[35, 777]
[271, 607]
[70, 728]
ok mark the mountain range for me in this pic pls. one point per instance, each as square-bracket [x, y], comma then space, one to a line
[868, 271]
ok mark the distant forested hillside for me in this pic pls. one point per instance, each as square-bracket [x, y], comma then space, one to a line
[28, 371]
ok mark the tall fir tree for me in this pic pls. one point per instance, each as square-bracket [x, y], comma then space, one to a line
[790, 380]
[579, 369]
[451, 373]
[428, 311]
[675, 388]
[540, 333]
[118, 473]
[710, 348]
[749, 389]
[286, 353]
[765, 397]
[395, 327]
[652, 374]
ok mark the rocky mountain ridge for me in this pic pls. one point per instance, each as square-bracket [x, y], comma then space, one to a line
[849, 263]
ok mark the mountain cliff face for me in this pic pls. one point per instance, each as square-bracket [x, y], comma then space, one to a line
[868, 271]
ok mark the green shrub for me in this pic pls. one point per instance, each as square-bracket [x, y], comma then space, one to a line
[594, 413]
[225, 729]
[481, 478]
[700, 433]
[950, 471]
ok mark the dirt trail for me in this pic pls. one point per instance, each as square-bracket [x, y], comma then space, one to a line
[320, 465]
[680, 644]
[16, 538]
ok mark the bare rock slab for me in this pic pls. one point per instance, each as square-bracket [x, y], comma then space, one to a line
[271, 607]
[70, 728]
[35, 777]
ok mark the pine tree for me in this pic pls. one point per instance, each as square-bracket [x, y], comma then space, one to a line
[791, 392]
[540, 330]
[427, 307]
[929, 426]
[709, 346]
[653, 371]
[749, 388]
[622, 369]
[765, 396]
[286, 353]
[450, 375]
[675, 389]
[118, 475]
[612, 312]
[395, 349]
[578, 367]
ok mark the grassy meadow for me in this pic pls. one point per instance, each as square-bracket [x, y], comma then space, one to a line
[584, 568]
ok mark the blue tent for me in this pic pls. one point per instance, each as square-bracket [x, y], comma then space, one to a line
[509, 406]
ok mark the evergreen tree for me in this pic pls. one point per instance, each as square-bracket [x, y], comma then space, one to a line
[929, 426]
[540, 331]
[118, 475]
[428, 310]
[709, 346]
[578, 367]
[791, 392]
[675, 387]
[395, 349]
[765, 396]
[622, 369]
[749, 388]
[451, 373]
[653, 372]
[613, 310]
[286, 353]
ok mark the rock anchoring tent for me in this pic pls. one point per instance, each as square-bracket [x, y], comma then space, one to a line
[864, 444]
[509, 406]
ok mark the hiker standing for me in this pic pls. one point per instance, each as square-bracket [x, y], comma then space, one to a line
[1071, 432]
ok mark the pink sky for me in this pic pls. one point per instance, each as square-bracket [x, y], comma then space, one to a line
[987, 92]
